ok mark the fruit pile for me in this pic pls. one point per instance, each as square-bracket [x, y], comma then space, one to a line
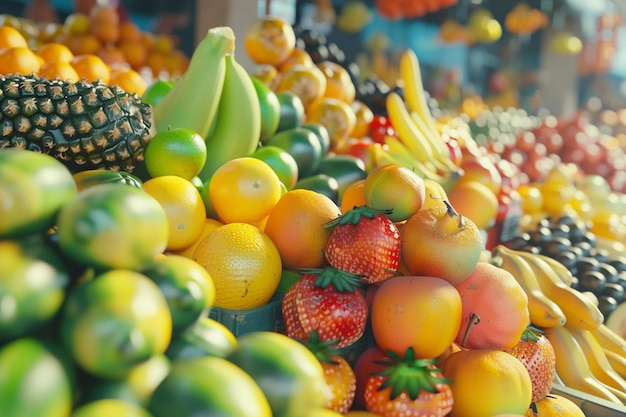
[351, 222]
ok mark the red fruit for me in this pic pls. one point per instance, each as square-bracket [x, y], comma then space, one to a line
[409, 387]
[537, 354]
[326, 301]
[365, 366]
[364, 242]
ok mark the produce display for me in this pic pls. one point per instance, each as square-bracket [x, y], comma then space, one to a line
[276, 242]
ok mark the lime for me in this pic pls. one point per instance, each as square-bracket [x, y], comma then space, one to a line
[112, 226]
[114, 322]
[270, 108]
[187, 286]
[156, 91]
[180, 151]
[110, 407]
[206, 337]
[303, 144]
[281, 161]
[292, 112]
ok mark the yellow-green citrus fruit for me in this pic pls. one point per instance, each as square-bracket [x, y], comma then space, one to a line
[180, 151]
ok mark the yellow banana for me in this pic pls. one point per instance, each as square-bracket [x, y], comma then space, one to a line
[572, 366]
[380, 156]
[543, 311]
[618, 362]
[238, 125]
[610, 340]
[562, 271]
[579, 310]
[598, 362]
[404, 155]
[193, 100]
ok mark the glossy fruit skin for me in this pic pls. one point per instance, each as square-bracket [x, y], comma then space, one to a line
[187, 390]
[112, 226]
[270, 108]
[292, 113]
[368, 246]
[205, 337]
[103, 330]
[320, 183]
[421, 312]
[22, 360]
[429, 250]
[290, 376]
[336, 315]
[346, 169]
[34, 277]
[538, 356]
[427, 404]
[303, 144]
[34, 188]
[365, 365]
[281, 161]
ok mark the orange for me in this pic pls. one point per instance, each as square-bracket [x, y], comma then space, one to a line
[91, 67]
[163, 43]
[364, 117]
[176, 62]
[476, 201]
[338, 81]
[244, 190]
[296, 225]
[105, 32]
[306, 81]
[134, 52]
[177, 151]
[102, 13]
[129, 79]
[85, 43]
[183, 206]
[487, 382]
[209, 225]
[269, 40]
[353, 196]
[129, 32]
[58, 69]
[18, 59]
[555, 405]
[55, 51]
[244, 264]
[157, 62]
[112, 55]
[337, 116]
[297, 56]
[394, 187]
[10, 36]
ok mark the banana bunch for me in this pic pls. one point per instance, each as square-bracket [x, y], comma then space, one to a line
[419, 144]
[590, 357]
[216, 98]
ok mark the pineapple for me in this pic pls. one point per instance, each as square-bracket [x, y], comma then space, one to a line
[84, 125]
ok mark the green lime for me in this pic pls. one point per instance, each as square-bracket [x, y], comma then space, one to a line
[320, 183]
[179, 151]
[303, 145]
[206, 337]
[270, 108]
[33, 380]
[292, 112]
[187, 286]
[156, 91]
[114, 322]
[281, 161]
[322, 134]
[110, 407]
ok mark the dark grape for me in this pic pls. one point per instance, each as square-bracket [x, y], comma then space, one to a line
[593, 281]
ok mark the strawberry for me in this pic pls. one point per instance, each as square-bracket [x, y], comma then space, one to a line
[339, 374]
[326, 301]
[408, 387]
[537, 354]
[364, 242]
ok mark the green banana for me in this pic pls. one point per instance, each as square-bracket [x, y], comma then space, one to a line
[237, 127]
[193, 100]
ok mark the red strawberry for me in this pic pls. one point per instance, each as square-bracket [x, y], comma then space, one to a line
[340, 376]
[326, 301]
[364, 242]
[408, 387]
[537, 354]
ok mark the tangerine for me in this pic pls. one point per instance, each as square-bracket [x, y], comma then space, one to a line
[339, 84]
[476, 201]
[58, 69]
[55, 51]
[209, 225]
[244, 264]
[353, 196]
[306, 81]
[91, 67]
[270, 40]
[554, 405]
[18, 59]
[183, 207]
[10, 36]
[129, 79]
[84, 43]
[134, 52]
[337, 116]
[296, 226]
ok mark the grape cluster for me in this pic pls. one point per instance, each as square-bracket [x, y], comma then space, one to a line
[570, 241]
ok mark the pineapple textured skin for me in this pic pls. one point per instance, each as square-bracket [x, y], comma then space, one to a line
[85, 125]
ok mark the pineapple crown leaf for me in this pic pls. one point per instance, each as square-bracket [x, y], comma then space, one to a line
[410, 374]
[354, 215]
